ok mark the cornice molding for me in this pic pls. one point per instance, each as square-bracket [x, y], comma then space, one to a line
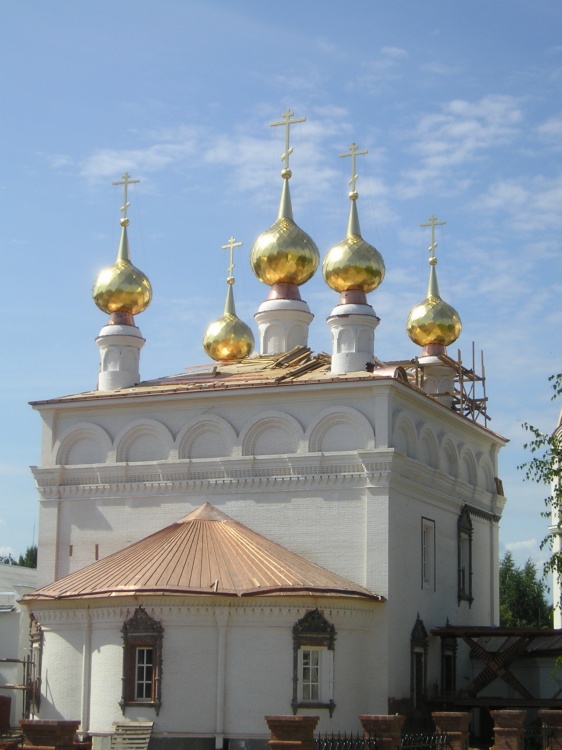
[250, 475]
[76, 613]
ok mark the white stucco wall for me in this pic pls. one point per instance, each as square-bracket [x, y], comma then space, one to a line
[256, 676]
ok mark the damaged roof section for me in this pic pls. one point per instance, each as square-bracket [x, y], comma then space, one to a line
[299, 365]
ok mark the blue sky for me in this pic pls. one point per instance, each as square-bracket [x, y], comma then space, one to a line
[459, 105]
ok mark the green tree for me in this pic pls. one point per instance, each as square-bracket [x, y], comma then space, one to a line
[7, 559]
[545, 467]
[29, 558]
[523, 602]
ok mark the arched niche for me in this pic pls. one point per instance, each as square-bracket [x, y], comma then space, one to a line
[428, 452]
[340, 429]
[486, 476]
[404, 436]
[83, 443]
[467, 466]
[144, 440]
[450, 459]
[274, 433]
[210, 437]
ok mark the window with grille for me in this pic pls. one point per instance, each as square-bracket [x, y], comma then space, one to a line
[144, 685]
[142, 660]
[313, 662]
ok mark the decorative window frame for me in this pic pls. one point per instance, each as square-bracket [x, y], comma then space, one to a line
[428, 556]
[141, 631]
[464, 544]
[313, 632]
[418, 653]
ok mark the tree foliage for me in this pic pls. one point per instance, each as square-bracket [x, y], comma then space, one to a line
[545, 467]
[27, 560]
[523, 602]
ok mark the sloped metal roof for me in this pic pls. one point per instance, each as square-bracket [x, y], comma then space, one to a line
[206, 553]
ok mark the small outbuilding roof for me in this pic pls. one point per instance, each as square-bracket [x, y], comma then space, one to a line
[206, 553]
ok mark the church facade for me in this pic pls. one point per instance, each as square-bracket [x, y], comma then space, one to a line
[271, 534]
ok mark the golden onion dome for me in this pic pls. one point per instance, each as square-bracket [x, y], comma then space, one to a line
[353, 263]
[284, 252]
[228, 338]
[433, 321]
[122, 287]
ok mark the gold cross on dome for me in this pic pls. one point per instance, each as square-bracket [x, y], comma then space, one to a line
[125, 181]
[432, 222]
[287, 122]
[353, 152]
[230, 245]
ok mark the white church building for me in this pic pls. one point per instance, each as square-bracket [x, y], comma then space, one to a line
[274, 533]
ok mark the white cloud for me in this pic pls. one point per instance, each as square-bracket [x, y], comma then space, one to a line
[106, 163]
[530, 203]
[526, 545]
[461, 132]
[60, 161]
[551, 131]
[377, 73]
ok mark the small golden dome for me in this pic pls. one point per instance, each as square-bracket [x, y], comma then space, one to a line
[284, 253]
[122, 287]
[433, 321]
[228, 338]
[353, 264]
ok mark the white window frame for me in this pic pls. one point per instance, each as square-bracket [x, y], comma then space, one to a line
[324, 682]
[144, 685]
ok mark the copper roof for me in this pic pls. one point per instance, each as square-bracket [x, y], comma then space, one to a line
[207, 552]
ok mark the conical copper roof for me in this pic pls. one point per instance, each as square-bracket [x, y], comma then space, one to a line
[207, 552]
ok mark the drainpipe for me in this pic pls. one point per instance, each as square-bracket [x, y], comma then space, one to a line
[86, 676]
[221, 616]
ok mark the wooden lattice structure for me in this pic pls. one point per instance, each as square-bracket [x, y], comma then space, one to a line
[498, 648]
